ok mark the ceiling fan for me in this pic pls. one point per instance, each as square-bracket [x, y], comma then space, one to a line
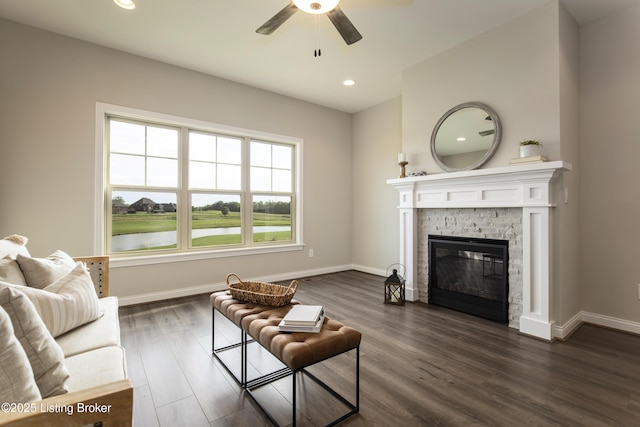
[329, 7]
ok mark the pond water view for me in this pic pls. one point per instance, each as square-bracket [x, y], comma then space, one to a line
[130, 242]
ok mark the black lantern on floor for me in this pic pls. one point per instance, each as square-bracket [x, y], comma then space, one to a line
[394, 288]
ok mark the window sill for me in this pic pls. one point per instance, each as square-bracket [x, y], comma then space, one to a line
[115, 262]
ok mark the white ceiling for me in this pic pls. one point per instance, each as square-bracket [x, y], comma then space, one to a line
[218, 37]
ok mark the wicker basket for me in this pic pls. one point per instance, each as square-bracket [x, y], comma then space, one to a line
[262, 293]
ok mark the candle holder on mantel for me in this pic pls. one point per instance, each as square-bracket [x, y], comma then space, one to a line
[402, 162]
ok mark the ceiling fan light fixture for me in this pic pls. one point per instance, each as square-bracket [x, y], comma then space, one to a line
[125, 4]
[316, 6]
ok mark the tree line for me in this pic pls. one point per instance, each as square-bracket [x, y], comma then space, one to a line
[283, 208]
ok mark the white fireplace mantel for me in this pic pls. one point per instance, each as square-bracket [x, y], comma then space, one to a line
[527, 186]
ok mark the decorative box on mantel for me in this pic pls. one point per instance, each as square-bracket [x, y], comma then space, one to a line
[525, 186]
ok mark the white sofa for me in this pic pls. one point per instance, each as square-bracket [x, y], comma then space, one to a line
[99, 392]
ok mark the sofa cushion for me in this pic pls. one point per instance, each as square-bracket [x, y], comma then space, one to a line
[96, 367]
[13, 245]
[17, 384]
[44, 354]
[10, 272]
[41, 272]
[102, 332]
[67, 303]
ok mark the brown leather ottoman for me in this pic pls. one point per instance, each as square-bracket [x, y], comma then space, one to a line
[296, 350]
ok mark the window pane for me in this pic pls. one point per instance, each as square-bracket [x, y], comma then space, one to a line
[272, 167]
[229, 177]
[215, 220]
[126, 137]
[143, 220]
[260, 154]
[202, 147]
[162, 172]
[229, 150]
[271, 219]
[282, 156]
[281, 180]
[260, 179]
[202, 175]
[126, 170]
[162, 142]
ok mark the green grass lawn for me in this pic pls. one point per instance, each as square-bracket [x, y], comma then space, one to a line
[233, 239]
[142, 222]
[214, 219]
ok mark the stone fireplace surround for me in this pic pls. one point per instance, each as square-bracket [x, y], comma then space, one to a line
[483, 202]
[485, 223]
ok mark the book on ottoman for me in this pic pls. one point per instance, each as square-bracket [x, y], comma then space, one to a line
[303, 318]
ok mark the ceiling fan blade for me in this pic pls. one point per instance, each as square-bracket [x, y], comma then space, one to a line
[346, 29]
[278, 19]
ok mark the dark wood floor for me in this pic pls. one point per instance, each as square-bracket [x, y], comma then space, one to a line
[420, 366]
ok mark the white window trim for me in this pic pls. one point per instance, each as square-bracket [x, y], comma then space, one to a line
[102, 110]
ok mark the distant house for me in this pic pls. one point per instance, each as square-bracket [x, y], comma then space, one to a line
[164, 207]
[142, 205]
[119, 207]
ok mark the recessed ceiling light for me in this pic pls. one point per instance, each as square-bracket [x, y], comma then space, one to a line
[349, 82]
[125, 4]
[461, 139]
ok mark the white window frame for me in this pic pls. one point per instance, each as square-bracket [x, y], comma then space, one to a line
[103, 110]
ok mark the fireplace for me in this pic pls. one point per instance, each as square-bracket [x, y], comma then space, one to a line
[469, 275]
[527, 188]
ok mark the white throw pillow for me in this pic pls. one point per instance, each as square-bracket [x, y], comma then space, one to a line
[10, 272]
[41, 272]
[69, 302]
[45, 355]
[16, 378]
[13, 245]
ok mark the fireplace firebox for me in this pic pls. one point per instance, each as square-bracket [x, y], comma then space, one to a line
[469, 275]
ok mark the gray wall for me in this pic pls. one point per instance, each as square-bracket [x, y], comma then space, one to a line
[609, 154]
[513, 68]
[49, 86]
[377, 138]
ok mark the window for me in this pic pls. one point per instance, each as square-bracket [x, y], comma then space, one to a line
[180, 186]
[271, 185]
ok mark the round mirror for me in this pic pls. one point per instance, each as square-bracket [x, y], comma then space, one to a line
[465, 137]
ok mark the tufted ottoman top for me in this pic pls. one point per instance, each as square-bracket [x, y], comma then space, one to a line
[296, 350]
[299, 349]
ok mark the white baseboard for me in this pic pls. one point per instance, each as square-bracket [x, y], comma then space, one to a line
[565, 331]
[213, 287]
[172, 293]
[611, 322]
[370, 270]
